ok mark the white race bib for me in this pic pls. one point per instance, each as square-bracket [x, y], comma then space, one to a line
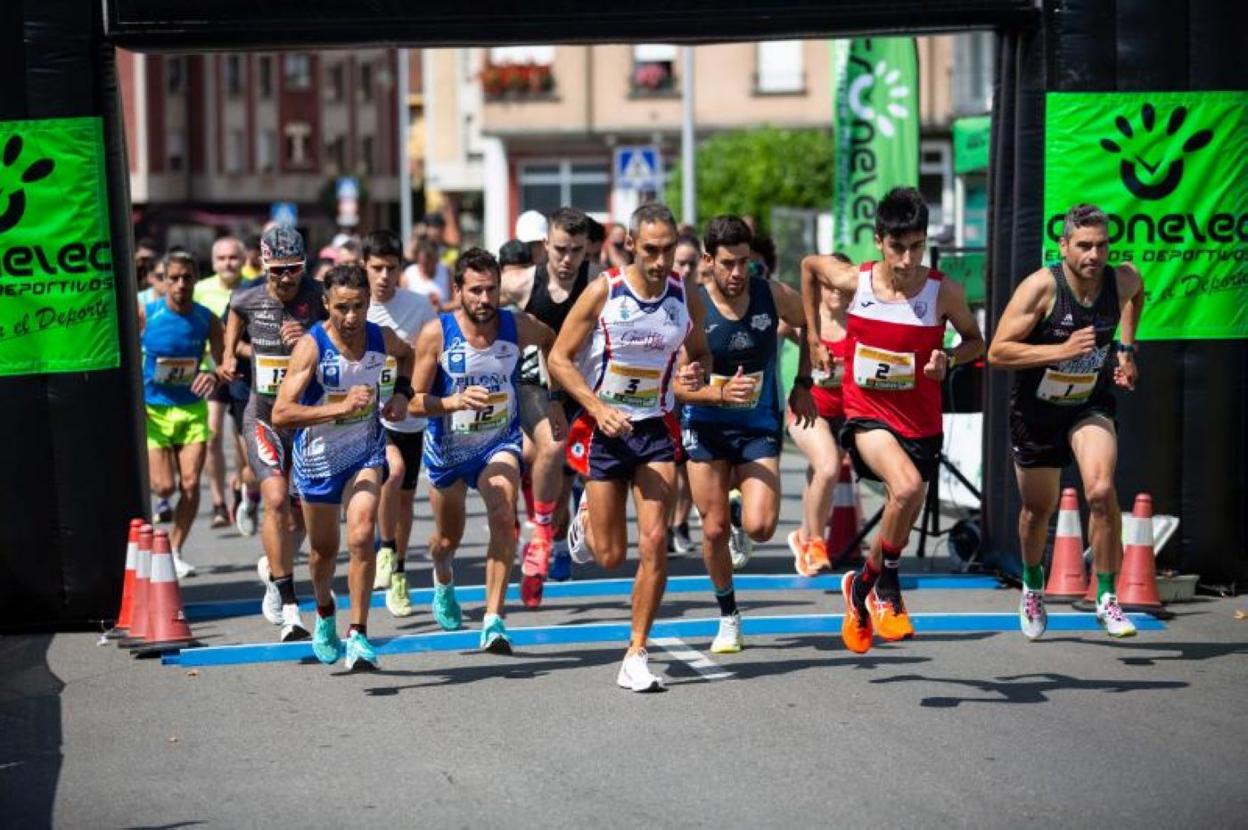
[882, 370]
[634, 386]
[1066, 388]
[389, 373]
[175, 371]
[755, 394]
[362, 415]
[269, 370]
[494, 418]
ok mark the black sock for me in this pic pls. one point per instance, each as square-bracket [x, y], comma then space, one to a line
[387, 543]
[727, 600]
[325, 610]
[889, 580]
[360, 627]
[286, 587]
[399, 565]
[683, 527]
[864, 582]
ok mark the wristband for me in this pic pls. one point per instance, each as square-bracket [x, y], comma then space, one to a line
[403, 386]
[953, 358]
[1126, 348]
[804, 381]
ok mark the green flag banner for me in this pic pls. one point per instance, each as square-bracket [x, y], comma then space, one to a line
[1170, 169]
[58, 309]
[972, 139]
[876, 121]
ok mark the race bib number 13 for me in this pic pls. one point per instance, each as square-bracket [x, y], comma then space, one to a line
[882, 370]
[270, 369]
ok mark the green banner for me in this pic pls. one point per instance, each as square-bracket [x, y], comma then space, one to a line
[876, 121]
[972, 139]
[1171, 171]
[58, 307]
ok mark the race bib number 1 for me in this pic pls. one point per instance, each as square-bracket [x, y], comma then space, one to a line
[270, 369]
[634, 386]
[494, 418]
[1066, 388]
[882, 370]
[175, 371]
[755, 394]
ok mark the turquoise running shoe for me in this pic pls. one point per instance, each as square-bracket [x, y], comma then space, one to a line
[494, 637]
[325, 643]
[360, 654]
[446, 608]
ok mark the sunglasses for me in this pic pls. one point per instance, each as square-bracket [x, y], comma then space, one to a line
[284, 270]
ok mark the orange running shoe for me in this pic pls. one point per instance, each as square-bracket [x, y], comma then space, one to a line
[856, 624]
[889, 616]
[800, 562]
[817, 555]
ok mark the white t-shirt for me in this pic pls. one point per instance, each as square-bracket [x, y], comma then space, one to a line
[406, 313]
[437, 288]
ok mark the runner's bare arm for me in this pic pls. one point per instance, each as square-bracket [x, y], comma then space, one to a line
[792, 312]
[288, 413]
[396, 408]
[516, 286]
[233, 334]
[142, 319]
[1031, 302]
[1131, 297]
[216, 340]
[425, 370]
[205, 382]
[819, 274]
[958, 312]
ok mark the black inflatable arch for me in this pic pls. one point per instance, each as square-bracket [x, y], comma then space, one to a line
[73, 456]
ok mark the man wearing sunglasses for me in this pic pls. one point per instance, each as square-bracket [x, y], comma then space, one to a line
[274, 314]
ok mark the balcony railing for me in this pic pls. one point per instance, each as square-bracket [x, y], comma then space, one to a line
[517, 82]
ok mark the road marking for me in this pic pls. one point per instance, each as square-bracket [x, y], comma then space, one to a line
[618, 633]
[696, 660]
[743, 583]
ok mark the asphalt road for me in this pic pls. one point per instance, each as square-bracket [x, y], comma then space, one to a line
[978, 729]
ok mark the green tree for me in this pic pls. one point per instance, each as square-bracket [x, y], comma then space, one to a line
[751, 171]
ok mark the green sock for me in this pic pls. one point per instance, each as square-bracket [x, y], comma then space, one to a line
[1033, 577]
[1104, 584]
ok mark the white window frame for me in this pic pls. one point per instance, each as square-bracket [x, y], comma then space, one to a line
[943, 168]
[565, 178]
[776, 70]
[654, 53]
[234, 150]
[540, 55]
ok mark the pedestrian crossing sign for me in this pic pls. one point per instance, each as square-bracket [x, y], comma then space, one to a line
[638, 168]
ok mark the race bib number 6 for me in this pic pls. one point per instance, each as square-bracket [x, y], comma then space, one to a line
[634, 386]
[389, 373]
[882, 370]
[270, 369]
[1066, 388]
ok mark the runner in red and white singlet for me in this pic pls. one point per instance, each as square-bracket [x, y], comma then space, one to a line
[894, 367]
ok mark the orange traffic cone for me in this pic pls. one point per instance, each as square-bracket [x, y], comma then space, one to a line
[1137, 580]
[168, 620]
[1066, 576]
[127, 587]
[140, 622]
[846, 519]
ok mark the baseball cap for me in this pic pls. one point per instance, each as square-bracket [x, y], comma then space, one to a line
[281, 242]
[531, 227]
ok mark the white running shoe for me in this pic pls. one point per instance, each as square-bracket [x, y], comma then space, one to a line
[740, 545]
[578, 545]
[1109, 615]
[245, 516]
[263, 571]
[385, 568]
[1032, 618]
[292, 624]
[681, 543]
[635, 674]
[182, 567]
[728, 640]
[271, 605]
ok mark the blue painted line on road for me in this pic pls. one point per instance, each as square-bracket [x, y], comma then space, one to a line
[824, 624]
[198, 611]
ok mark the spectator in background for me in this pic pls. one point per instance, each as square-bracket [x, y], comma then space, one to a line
[596, 238]
[763, 256]
[514, 255]
[428, 276]
[531, 229]
[146, 255]
[153, 278]
[617, 256]
[251, 258]
[349, 252]
[441, 229]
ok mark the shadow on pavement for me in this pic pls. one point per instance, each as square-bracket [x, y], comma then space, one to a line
[1182, 652]
[515, 667]
[30, 731]
[1027, 688]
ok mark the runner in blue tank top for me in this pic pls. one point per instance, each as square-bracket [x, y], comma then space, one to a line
[174, 329]
[467, 368]
[330, 396]
[732, 426]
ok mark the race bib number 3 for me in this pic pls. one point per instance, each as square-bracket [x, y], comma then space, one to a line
[755, 394]
[270, 369]
[882, 370]
[630, 386]
[1066, 388]
[175, 371]
[494, 418]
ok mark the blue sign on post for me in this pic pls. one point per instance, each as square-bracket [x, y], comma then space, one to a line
[284, 213]
[638, 168]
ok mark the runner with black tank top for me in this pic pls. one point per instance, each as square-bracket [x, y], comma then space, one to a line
[274, 315]
[733, 427]
[547, 292]
[1057, 334]
[897, 311]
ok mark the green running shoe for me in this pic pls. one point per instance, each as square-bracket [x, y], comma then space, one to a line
[360, 654]
[397, 600]
[494, 637]
[445, 607]
[325, 643]
[385, 567]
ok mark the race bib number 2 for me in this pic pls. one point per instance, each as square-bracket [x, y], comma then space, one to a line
[1066, 388]
[882, 370]
[634, 386]
[270, 369]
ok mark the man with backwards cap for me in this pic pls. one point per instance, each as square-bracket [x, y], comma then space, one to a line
[531, 229]
[274, 314]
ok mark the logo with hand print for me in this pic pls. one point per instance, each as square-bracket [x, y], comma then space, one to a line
[1152, 160]
[17, 195]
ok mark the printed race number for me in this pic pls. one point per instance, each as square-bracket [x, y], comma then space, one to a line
[882, 370]
[389, 373]
[269, 371]
[493, 418]
[634, 386]
[175, 371]
[1066, 388]
[755, 393]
